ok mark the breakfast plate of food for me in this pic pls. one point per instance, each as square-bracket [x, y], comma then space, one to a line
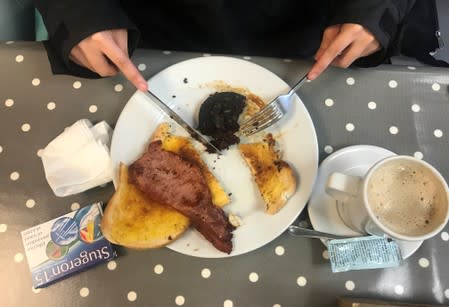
[171, 192]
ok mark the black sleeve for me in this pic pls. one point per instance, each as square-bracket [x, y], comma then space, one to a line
[383, 18]
[70, 21]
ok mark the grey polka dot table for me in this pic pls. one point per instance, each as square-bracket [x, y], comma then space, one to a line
[404, 109]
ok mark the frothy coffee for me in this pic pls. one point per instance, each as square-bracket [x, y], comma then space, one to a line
[406, 197]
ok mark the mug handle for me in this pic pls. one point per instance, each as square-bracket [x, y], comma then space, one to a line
[343, 187]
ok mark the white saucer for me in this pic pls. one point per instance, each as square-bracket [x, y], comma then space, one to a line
[352, 160]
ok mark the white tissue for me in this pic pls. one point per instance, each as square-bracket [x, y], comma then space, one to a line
[78, 159]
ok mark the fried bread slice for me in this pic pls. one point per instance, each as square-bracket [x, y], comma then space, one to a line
[274, 177]
[132, 220]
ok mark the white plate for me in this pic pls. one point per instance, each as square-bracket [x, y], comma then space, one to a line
[352, 160]
[296, 137]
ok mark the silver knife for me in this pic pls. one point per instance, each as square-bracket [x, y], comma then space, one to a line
[178, 119]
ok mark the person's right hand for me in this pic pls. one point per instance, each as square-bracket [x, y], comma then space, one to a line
[106, 53]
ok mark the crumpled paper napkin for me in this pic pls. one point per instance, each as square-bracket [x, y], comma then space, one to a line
[78, 159]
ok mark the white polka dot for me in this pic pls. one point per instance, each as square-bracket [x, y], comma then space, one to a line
[329, 102]
[26, 127]
[398, 289]
[301, 281]
[418, 155]
[247, 57]
[372, 105]
[9, 102]
[141, 67]
[350, 127]
[207, 54]
[9, 42]
[158, 269]
[446, 293]
[393, 83]
[35, 82]
[77, 85]
[205, 273]
[3, 227]
[112, 265]
[411, 67]
[393, 130]
[18, 257]
[40, 152]
[14, 176]
[74, 206]
[180, 300]
[84, 292]
[35, 290]
[438, 133]
[423, 262]
[1, 149]
[350, 81]
[118, 88]
[325, 254]
[228, 303]
[19, 58]
[51, 105]
[253, 277]
[328, 149]
[445, 236]
[436, 87]
[93, 108]
[416, 107]
[279, 250]
[349, 285]
[166, 52]
[132, 296]
[30, 203]
[277, 305]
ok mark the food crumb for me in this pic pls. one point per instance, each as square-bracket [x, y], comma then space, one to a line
[235, 220]
[173, 96]
[185, 81]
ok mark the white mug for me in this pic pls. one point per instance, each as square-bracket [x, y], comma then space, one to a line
[401, 197]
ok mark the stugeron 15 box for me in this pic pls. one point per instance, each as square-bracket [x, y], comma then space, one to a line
[66, 245]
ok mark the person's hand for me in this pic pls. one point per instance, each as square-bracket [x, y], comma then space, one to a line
[106, 53]
[341, 46]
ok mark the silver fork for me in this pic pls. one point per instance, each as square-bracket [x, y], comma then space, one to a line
[271, 113]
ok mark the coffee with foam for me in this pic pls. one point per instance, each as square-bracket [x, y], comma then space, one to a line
[406, 197]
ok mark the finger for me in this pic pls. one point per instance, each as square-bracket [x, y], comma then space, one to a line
[120, 37]
[337, 46]
[372, 47]
[349, 55]
[77, 56]
[328, 36]
[356, 50]
[124, 64]
[99, 63]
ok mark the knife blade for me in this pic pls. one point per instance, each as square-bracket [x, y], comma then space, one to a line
[178, 119]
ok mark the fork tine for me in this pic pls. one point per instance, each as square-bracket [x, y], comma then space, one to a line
[259, 116]
[268, 123]
[271, 113]
[264, 123]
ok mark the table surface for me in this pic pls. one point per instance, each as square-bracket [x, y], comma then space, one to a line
[402, 108]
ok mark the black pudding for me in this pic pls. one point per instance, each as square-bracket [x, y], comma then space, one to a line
[219, 116]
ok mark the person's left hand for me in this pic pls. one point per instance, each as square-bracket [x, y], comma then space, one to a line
[341, 46]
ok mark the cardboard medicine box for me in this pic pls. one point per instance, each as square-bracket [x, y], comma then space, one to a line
[66, 245]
